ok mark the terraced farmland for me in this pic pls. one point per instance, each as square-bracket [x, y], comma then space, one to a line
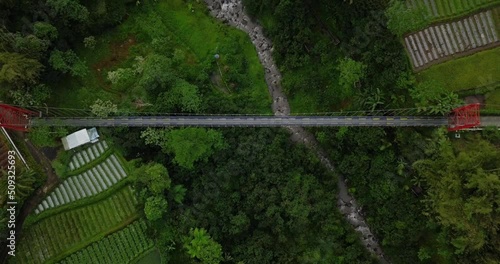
[446, 41]
[444, 9]
[89, 183]
[120, 247]
[60, 234]
[87, 155]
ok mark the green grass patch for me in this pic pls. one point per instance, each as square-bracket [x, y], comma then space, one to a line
[303, 102]
[451, 9]
[185, 27]
[66, 232]
[493, 100]
[151, 256]
[465, 73]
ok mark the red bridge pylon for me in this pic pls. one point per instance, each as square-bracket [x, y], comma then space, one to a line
[464, 117]
[15, 118]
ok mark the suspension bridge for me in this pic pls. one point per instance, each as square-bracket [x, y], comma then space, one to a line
[23, 118]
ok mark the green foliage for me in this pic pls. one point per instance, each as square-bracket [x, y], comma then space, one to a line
[188, 145]
[25, 184]
[122, 246]
[268, 201]
[18, 70]
[70, 10]
[373, 161]
[402, 19]
[45, 30]
[178, 192]
[156, 76]
[448, 10]
[89, 223]
[155, 207]
[192, 144]
[470, 72]
[351, 72]
[116, 188]
[44, 136]
[201, 246]
[431, 97]
[183, 96]
[462, 192]
[30, 45]
[30, 95]
[102, 108]
[68, 62]
[89, 42]
[155, 176]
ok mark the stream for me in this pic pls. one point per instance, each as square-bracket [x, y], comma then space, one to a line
[233, 13]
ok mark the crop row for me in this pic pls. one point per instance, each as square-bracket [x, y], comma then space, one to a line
[120, 247]
[87, 155]
[442, 9]
[86, 184]
[445, 40]
[51, 236]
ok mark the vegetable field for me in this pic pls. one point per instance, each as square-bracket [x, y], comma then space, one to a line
[85, 156]
[446, 40]
[445, 9]
[89, 183]
[63, 233]
[120, 247]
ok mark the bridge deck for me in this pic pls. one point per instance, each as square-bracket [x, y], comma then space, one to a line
[246, 121]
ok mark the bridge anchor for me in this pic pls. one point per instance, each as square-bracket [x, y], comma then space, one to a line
[15, 118]
[464, 117]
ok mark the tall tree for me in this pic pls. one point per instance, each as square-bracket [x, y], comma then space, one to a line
[201, 246]
[18, 70]
[351, 72]
[68, 62]
[70, 10]
[463, 184]
[188, 145]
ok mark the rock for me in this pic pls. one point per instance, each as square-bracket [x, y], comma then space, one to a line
[232, 11]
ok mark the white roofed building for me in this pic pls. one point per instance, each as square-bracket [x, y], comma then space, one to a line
[79, 138]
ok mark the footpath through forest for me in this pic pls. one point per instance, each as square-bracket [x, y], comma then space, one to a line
[233, 13]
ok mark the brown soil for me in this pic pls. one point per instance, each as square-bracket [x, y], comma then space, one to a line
[473, 99]
[119, 52]
[51, 182]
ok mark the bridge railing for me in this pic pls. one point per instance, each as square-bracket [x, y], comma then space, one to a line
[48, 112]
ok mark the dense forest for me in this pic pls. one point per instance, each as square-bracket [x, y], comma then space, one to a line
[252, 195]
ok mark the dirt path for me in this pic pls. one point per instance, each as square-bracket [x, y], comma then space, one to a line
[232, 12]
[37, 197]
[51, 182]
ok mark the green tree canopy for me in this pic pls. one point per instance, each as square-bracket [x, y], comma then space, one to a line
[155, 176]
[155, 207]
[45, 30]
[402, 19]
[351, 72]
[463, 186]
[70, 10]
[432, 97]
[102, 108]
[188, 145]
[68, 62]
[16, 69]
[201, 246]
